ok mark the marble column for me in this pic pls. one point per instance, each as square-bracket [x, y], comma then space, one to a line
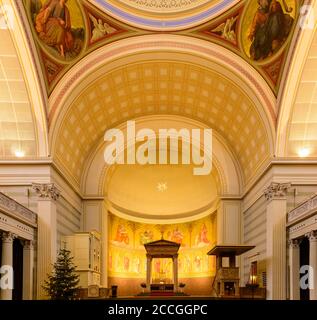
[28, 266]
[276, 211]
[294, 265]
[47, 233]
[175, 271]
[148, 272]
[7, 261]
[313, 263]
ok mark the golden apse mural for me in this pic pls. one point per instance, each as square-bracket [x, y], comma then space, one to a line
[127, 256]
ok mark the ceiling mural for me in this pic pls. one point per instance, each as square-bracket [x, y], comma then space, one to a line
[258, 31]
[266, 28]
[65, 31]
[59, 27]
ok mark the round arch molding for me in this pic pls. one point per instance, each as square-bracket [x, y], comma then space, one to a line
[226, 172]
[256, 110]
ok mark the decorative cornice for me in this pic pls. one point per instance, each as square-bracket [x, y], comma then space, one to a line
[276, 190]
[17, 210]
[302, 210]
[163, 4]
[47, 191]
[164, 21]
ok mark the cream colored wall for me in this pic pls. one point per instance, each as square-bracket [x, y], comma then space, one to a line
[68, 219]
[254, 223]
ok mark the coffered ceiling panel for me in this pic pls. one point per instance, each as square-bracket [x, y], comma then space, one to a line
[161, 88]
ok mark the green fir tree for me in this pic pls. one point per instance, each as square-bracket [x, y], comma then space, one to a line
[62, 284]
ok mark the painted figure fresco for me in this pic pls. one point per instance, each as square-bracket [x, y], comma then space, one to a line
[197, 263]
[122, 235]
[137, 264]
[176, 236]
[146, 237]
[157, 266]
[128, 256]
[163, 270]
[126, 263]
[270, 28]
[227, 29]
[202, 236]
[53, 23]
[100, 29]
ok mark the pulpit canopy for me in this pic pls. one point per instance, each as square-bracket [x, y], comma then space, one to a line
[227, 251]
[162, 248]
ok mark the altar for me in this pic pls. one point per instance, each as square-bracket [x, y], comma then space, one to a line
[157, 250]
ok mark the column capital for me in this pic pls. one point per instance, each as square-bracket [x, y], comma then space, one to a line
[276, 190]
[46, 190]
[27, 244]
[8, 237]
[294, 243]
[312, 236]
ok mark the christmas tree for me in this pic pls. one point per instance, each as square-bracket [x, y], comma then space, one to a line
[62, 283]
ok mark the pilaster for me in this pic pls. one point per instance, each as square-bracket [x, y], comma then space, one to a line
[276, 209]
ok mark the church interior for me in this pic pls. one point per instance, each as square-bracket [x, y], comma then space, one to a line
[72, 69]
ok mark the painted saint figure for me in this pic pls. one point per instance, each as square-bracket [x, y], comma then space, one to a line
[122, 235]
[177, 236]
[53, 25]
[146, 237]
[269, 29]
[202, 236]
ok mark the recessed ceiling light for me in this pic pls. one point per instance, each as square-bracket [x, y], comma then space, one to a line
[303, 152]
[19, 154]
